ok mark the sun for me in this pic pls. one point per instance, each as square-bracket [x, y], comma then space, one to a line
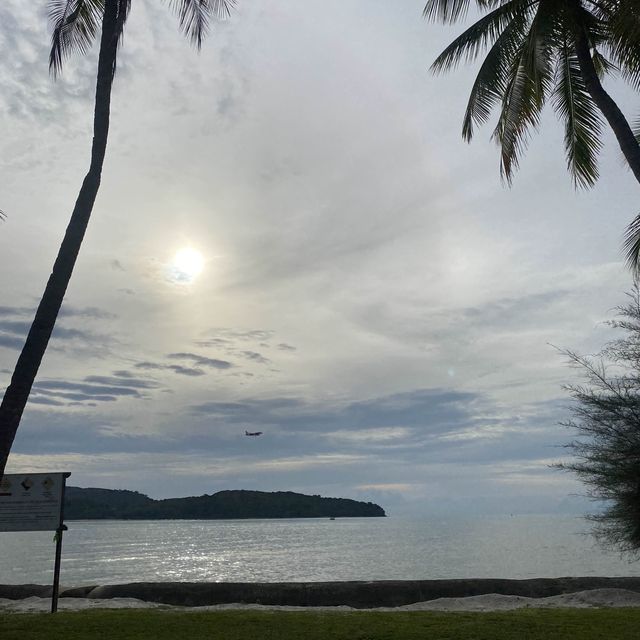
[187, 264]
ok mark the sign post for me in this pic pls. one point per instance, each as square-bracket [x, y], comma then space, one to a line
[35, 502]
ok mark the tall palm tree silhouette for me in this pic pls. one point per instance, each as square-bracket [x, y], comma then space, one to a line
[549, 49]
[76, 24]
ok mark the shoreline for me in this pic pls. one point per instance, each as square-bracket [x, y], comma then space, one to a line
[385, 594]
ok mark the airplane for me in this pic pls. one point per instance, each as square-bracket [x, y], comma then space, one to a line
[253, 433]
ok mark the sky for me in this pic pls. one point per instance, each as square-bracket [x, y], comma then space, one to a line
[371, 295]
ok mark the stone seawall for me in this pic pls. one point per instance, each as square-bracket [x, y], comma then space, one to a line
[361, 595]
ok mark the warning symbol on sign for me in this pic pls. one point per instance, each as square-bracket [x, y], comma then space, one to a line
[5, 487]
[47, 483]
[27, 483]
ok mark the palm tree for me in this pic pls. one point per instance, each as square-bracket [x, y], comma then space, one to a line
[76, 24]
[549, 49]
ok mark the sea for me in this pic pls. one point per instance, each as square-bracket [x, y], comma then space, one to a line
[305, 550]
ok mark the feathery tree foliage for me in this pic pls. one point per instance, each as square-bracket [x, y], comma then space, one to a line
[556, 51]
[76, 25]
[606, 419]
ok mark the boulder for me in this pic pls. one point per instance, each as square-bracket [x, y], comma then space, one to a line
[357, 594]
[21, 591]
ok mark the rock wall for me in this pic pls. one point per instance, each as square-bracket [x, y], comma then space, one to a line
[389, 593]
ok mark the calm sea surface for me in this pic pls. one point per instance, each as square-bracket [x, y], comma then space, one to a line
[391, 548]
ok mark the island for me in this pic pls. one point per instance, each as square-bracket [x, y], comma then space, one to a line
[111, 504]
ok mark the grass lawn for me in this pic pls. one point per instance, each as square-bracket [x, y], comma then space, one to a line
[550, 624]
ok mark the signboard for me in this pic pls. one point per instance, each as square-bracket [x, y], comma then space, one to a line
[35, 502]
[31, 502]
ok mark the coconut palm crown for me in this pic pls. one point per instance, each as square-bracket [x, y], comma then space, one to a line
[542, 51]
[76, 24]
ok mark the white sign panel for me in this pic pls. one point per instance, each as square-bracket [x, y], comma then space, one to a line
[31, 502]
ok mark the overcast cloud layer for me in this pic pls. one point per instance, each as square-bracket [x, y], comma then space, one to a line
[373, 298]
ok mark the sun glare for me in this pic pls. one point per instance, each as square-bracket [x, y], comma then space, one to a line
[187, 264]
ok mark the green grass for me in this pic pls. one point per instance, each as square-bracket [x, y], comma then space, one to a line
[532, 624]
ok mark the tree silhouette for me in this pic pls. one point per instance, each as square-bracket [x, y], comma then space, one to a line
[606, 420]
[541, 50]
[76, 24]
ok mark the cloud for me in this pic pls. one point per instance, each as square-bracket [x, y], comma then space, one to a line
[11, 342]
[255, 356]
[425, 426]
[16, 311]
[223, 336]
[36, 399]
[385, 435]
[234, 343]
[249, 335]
[413, 420]
[72, 398]
[185, 371]
[15, 323]
[93, 389]
[116, 265]
[201, 360]
[63, 333]
[50, 430]
[126, 380]
[84, 388]
[15, 327]
[214, 342]
[68, 311]
[180, 370]
[123, 373]
[255, 411]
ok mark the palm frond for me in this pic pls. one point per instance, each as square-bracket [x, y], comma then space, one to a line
[622, 25]
[492, 79]
[485, 31]
[574, 105]
[518, 112]
[448, 11]
[530, 81]
[631, 246]
[194, 16]
[75, 24]
[601, 9]
[602, 65]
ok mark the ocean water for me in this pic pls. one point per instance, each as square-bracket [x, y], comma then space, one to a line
[113, 551]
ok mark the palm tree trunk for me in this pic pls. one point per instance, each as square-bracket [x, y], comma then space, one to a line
[607, 106]
[17, 393]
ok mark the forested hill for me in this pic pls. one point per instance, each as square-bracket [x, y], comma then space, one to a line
[96, 504]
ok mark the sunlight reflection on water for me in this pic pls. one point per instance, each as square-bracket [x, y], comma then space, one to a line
[99, 552]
